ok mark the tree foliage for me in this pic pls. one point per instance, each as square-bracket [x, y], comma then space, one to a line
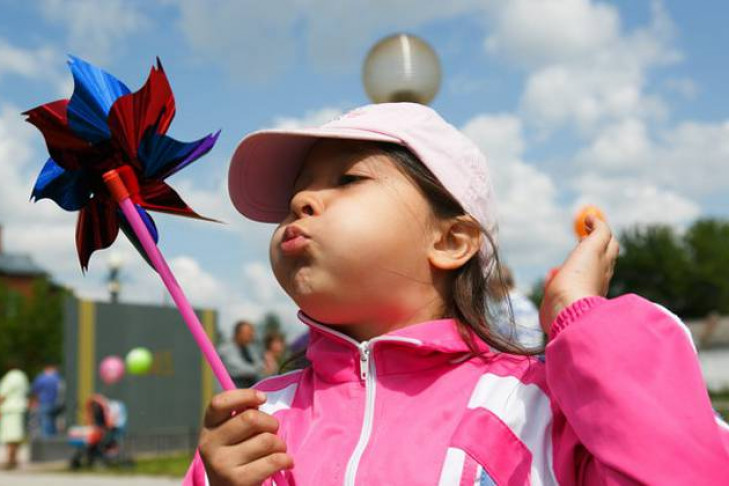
[271, 324]
[31, 329]
[688, 273]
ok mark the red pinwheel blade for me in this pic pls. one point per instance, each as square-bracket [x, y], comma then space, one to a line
[152, 107]
[64, 146]
[158, 196]
[96, 229]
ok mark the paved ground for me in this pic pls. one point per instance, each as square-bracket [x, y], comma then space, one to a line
[33, 475]
[29, 478]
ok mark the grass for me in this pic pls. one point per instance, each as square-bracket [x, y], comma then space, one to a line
[163, 466]
[173, 466]
[720, 400]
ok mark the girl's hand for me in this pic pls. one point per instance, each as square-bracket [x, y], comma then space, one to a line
[241, 449]
[586, 272]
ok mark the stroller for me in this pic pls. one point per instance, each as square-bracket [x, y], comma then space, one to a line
[101, 438]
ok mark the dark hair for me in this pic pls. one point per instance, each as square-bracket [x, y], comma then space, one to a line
[271, 337]
[472, 283]
[239, 325]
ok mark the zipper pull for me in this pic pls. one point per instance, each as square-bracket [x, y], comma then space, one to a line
[364, 360]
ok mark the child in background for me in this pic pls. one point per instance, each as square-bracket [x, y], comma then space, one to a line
[275, 349]
[385, 240]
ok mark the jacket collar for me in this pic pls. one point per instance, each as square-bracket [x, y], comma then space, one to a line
[336, 357]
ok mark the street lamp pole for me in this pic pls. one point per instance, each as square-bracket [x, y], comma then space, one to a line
[114, 281]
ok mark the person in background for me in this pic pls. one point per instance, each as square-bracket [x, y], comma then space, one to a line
[13, 406]
[275, 348]
[46, 388]
[240, 358]
[513, 314]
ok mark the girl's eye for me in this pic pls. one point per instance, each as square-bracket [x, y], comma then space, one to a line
[346, 179]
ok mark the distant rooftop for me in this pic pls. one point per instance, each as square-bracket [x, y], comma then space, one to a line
[17, 265]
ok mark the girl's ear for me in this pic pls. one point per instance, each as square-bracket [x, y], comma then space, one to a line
[456, 241]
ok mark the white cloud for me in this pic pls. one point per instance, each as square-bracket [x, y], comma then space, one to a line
[606, 82]
[692, 158]
[535, 33]
[260, 280]
[532, 226]
[201, 287]
[95, 29]
[619, 147]
[310, 119]
[688, 159]
[30, 63]
[253, 40]
[261, 40]
[628, 200]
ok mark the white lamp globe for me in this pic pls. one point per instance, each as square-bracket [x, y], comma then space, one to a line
[401, 67]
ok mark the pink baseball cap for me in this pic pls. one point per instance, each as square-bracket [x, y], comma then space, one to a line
[266, 163]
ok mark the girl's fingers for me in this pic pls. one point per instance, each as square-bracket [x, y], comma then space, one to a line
[244, 426]
[599, 232]
[263, 468]
[613, 250]
[257, 447]
[223, 405]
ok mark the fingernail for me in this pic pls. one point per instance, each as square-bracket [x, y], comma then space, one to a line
[260, 396]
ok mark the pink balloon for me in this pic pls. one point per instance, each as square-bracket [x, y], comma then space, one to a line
[111, 369]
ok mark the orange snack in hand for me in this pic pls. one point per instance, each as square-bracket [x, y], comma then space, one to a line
[581, 219]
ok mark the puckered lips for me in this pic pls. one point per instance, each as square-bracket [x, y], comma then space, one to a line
[294, 240]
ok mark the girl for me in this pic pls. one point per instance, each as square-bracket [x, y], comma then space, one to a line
[385, 240]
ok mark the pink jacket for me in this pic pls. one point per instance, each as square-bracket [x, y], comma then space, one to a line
[620, 400]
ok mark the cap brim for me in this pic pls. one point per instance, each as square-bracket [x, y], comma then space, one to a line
[265, 165]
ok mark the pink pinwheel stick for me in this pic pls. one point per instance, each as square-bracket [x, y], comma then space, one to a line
[115, 183]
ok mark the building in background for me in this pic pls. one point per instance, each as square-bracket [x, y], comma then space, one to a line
[711, 336]
[18, 271]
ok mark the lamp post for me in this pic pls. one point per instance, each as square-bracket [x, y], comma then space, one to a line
[401, 67]
[114, 283]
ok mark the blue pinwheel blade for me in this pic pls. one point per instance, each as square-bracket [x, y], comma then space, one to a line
[94, 92]
[69, 189]
[148, 222]
[162, 156]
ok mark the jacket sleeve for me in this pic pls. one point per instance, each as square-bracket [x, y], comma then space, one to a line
[626, 378]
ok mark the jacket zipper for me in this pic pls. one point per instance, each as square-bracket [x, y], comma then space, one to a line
[368, 375]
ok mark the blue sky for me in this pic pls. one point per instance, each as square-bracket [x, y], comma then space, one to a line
[622, 104]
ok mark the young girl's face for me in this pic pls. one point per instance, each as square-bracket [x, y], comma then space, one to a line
[354, 248]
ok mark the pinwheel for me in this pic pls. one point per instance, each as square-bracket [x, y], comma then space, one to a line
[109, 157]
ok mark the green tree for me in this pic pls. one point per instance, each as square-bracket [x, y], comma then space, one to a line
[32, 327]
[689, 274]
[536, 293]
[707, 242]
[654, 264]
[271, 324]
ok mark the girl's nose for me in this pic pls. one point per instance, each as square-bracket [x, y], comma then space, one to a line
[305, 203]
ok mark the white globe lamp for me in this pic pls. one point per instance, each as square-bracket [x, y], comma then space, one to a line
[401, 67]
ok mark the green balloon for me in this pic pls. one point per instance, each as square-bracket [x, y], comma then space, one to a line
[139, 361]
